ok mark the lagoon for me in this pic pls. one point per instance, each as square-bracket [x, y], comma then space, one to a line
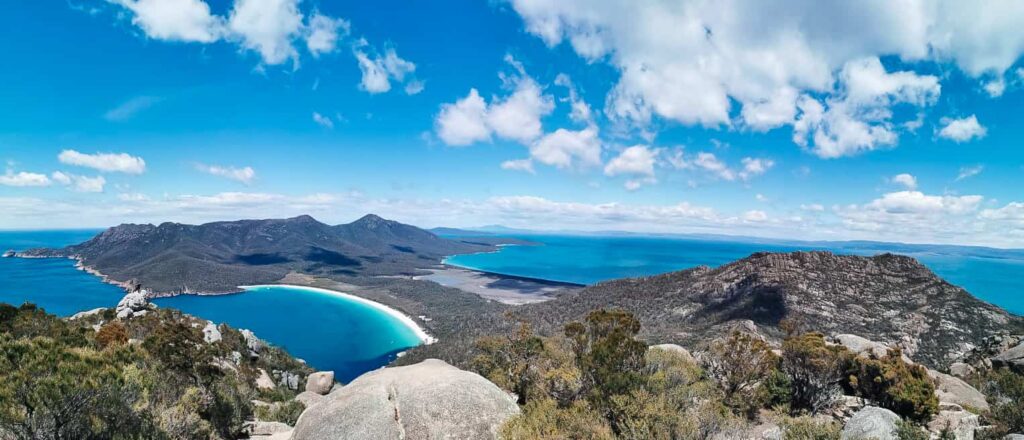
[330, 332]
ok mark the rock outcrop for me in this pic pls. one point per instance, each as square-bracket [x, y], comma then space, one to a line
[320, 382]
[1012, 358]
[211, 333]
[428, 400]
[956, 421]
[953, 390]
[871, 422]
[132, 304]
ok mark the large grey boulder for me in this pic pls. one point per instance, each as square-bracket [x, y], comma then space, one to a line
[673, 348]
[132, 304]
[320, 382]
[428, 400]
[211, 333]
[961, 424]
[866, 347]
[953, 390]
[871, 422]
[1012, 358]
[309, 398]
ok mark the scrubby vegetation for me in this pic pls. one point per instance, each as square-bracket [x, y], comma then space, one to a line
[597, 380]
[153, 377]
[1005, 391]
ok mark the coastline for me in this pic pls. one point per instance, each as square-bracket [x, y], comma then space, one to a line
[419, 331]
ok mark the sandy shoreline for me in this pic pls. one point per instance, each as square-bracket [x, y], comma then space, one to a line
[422, 334]
[506, 289]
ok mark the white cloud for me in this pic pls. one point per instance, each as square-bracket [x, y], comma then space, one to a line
[568, 148]
[463, 122]
[267, 27]
[378, 71]
[516, 116]
[175, 20]
[79, 183]
[967, 172]
[688, 61]
[580, 111]
[907, 180]
[524, 165]
[709, 162]
[130, 108]
[755, 216]
[323, 32]
[23, 178]
[414, 87]
[105, 162]
[813, 207]
[244, 175]
[963, 129]
[753, 167]
[132, 197]
[270, 28]
[858, 117]
[637, 160]
[995, 87]
[323, 121]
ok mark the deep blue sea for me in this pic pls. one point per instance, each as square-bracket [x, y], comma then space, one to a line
[329, 332]
[993, 276]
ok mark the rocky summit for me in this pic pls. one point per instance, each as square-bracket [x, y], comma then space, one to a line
[890, 299]
[429, 400]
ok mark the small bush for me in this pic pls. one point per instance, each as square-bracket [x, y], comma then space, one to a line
[542, 419]
[903, 388]
[285, 412]
[741, 364]
[112, 333]
[910, 431]
[809, 428]
[815, 370]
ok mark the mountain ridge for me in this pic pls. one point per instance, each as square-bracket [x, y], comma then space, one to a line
[217, 257]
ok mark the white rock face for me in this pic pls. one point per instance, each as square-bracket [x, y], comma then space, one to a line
[87, 313]
[429, 400]
[871, 422]
[132, 304]
[255, 344]
[309, 398]
[210, 333]
[320, 382]
[264, 381]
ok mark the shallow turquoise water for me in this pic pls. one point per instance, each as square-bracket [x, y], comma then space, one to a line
[330, 333]
[590, 259]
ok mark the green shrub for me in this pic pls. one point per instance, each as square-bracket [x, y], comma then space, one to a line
[285, 412]
[892, 383]
[543, 419]
[911, 431]
[815, 370]
[741, 364]
[608, 354]
[510, 361]
[1005, 391]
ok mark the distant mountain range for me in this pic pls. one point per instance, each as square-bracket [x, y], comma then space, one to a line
[218, 257]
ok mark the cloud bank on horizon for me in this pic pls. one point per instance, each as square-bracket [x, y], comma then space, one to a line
[824, 119]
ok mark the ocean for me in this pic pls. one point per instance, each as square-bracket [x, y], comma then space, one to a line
[328, 332]
[991, 275]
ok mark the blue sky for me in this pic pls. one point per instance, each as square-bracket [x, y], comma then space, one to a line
[824, 120]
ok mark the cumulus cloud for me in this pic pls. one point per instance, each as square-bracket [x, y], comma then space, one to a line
[323, 121]
[128, 109]
[524, 165]
[995, 87]
[175, 20]
[908, 181]
[79, 183]
[637, 162]
[567, 148]
[24, 178]
[323, 33]
[753, 167]
[105, 162]
[244, 175]
[963, 129]
[379, 70]
[689, 61]
[463, 122]
[967, 172]
[270, 28]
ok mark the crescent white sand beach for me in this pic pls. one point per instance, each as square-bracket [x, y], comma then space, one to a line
[401, 317]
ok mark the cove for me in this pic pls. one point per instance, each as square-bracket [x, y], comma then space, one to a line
[328, 331]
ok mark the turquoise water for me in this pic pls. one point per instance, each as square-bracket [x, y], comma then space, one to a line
[590, 259]
[330, 333]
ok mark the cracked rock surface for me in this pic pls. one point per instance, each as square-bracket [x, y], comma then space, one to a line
[428, 400]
